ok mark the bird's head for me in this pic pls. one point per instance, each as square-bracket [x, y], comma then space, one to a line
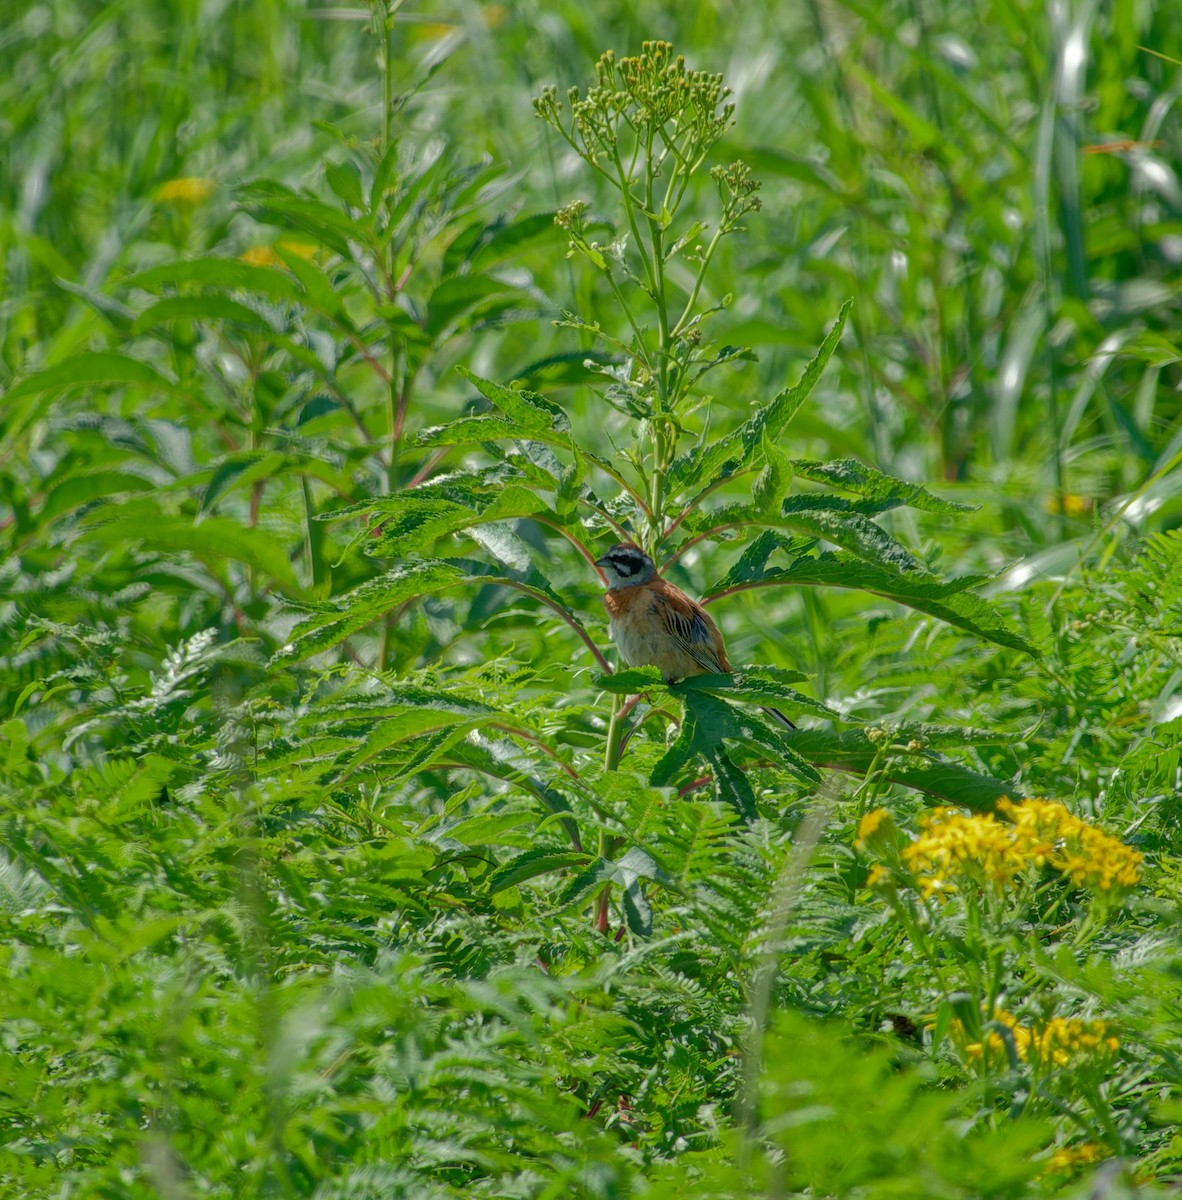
[626, 566]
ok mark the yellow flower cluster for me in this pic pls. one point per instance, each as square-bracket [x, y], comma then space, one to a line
[1067, 1157]
[1060, 1042]
[1089, 856]
[952, 847]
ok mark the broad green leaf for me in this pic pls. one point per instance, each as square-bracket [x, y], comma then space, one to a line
[213, 541]
[743, 447]
[238, 471]
[853, 476]
[322, 222]
[345, 180]
[530, 864]
[491, 242]
[228, 273]
[945, 599]
[86, 487]
[95, 367]
[467, 296]
[468, 430]
[529, 409]
[205, 306]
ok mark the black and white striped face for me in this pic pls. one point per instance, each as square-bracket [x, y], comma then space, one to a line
[626, 566]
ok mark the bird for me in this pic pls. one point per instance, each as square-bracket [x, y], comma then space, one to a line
[654, 623]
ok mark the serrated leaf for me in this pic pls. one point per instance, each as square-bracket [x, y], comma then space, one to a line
[468, 430]
[599, 872]
[332, 622]
[414, 524]
[239, 470]
[853, 476]
[85, 487]
[852, 531]
[630, 679]
[638, 913]
[528, 409]
[743, 446]
[774, 480]
[758, 686]
[852, 751]
[531, 863]
[946, 599]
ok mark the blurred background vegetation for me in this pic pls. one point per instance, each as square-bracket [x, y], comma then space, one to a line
[251, 957]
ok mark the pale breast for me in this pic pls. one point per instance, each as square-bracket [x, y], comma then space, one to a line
[642, 639]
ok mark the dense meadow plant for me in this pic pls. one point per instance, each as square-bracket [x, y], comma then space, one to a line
[338, 860]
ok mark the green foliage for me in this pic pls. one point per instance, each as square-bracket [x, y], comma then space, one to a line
[335, 857]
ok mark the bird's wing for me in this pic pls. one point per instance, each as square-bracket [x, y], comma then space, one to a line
[691, 627]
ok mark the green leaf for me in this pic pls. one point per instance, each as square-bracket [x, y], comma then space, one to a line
[238, 471]
[743, 447]
[85, 487]
[758, 685]
[630, 680]
[774, 480]
[228, 273]
[528, 409]
[539, 860]
[274, 205]
[95, 367]
[853, 476]
[468, 430]
[493, 242]
[946, 599]
[213, 541]
[415, 524]
[852, 531]
[471, 296]
[332, 622]
[345, 180]
[206, 306]
[320, 293]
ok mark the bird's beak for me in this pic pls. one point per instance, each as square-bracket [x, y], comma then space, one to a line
[601, 560]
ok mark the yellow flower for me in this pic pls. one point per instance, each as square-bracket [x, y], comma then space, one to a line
[1060, 1042]
[876, 831]
[952, 849]
[191, 189]
[265, 256]
[1068, 1157]
[1072, 505]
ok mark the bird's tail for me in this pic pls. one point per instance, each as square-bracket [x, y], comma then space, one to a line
[779, 716]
